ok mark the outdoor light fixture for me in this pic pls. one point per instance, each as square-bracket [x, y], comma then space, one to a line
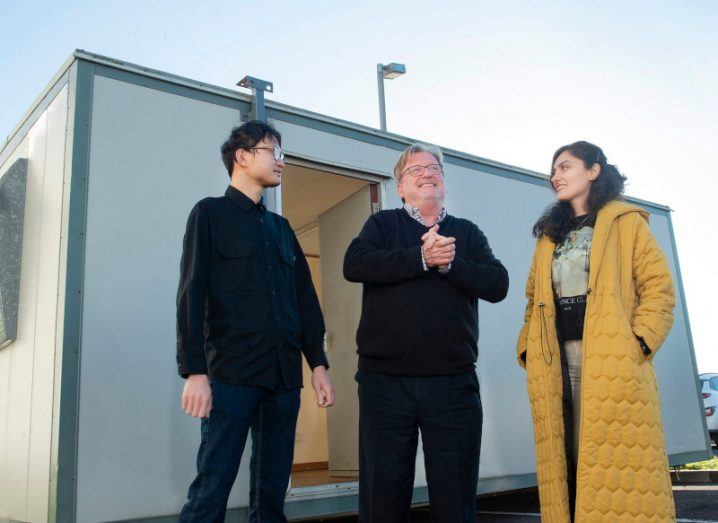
[393, 70]
[389, 72]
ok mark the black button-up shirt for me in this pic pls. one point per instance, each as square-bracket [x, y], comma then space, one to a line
[246, 305]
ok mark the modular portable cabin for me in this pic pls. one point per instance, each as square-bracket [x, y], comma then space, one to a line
[96, 183]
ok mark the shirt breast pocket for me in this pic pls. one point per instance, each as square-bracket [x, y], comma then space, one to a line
[286, 260]
[287, 255]
[238, 265]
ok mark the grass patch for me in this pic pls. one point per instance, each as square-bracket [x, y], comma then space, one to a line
[711, 464]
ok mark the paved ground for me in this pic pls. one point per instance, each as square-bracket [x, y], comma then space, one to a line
[694, 504]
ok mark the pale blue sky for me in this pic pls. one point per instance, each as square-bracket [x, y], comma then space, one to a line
[507, 80]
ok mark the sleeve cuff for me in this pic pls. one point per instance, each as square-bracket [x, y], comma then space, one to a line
[191, 360]
[644, 346]
[317, 358]
[522, 359]
[454, 269]
[648, 343]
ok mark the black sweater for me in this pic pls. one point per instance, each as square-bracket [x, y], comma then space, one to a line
[416, 322]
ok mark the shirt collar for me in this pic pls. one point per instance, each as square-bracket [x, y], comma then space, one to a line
[244, 201]
[414, 213]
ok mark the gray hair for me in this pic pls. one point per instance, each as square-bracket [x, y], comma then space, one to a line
[413, 149]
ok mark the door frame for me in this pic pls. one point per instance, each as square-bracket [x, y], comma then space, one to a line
[376, 179]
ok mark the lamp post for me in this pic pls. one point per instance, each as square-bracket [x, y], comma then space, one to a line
[389, 72]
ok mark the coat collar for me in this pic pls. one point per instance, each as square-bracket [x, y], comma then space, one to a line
[608, 214]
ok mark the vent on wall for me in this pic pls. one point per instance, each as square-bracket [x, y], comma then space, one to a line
[12, 215]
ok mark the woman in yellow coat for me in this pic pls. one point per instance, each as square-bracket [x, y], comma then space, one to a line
[600, 303]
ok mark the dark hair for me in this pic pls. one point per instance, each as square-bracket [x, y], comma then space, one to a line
[555, 222]
[245, 137]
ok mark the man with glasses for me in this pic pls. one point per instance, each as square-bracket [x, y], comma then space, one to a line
[246, 311]
[423, 272]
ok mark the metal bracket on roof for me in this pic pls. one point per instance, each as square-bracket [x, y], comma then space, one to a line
[258, 88]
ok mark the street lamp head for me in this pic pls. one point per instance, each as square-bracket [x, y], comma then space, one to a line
[393, 70]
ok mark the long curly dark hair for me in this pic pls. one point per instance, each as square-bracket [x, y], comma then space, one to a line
[555, 222]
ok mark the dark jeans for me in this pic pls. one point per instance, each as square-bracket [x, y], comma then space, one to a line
[272, 417]
[392, 410]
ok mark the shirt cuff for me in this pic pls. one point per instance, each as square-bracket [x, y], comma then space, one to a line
[444, 270]
[644, 347]
[423, 260]
[191, 360]
[319, 362]
[316, 357]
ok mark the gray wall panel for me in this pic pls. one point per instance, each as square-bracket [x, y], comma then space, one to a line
[504, 210]
[49, 305]
[681, 402]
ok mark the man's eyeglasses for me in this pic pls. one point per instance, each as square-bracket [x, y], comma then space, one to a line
[418, 170]
[277, 150]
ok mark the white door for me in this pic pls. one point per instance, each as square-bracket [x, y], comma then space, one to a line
[342, 308]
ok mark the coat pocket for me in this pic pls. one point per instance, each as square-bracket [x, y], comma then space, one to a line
[642, 356]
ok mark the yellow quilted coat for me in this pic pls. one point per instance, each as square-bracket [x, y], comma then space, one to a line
[622, 466]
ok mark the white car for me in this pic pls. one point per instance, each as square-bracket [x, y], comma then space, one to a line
[709, 386]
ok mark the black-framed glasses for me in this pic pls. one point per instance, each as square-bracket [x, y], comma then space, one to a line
[418, 170]
[277, 150]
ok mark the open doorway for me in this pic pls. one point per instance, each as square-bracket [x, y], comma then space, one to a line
[326, 211]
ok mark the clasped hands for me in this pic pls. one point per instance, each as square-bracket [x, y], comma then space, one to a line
[439, 250]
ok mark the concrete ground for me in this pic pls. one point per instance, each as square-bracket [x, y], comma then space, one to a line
[696, 503]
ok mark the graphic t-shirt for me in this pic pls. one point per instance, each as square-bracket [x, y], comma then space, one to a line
[569, 274]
